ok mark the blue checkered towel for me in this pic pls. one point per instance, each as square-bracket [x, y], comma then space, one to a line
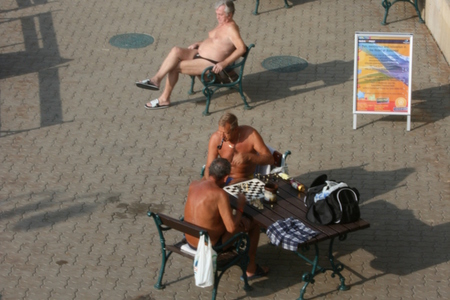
[289, 233]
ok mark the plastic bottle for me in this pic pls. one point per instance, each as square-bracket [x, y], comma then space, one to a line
[321, 196]
[297, 185]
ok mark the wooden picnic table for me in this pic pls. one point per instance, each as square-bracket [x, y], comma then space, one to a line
[290, 203]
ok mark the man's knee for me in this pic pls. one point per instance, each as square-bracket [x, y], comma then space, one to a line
[178, 52]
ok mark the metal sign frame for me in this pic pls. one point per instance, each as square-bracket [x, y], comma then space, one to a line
[382, 74]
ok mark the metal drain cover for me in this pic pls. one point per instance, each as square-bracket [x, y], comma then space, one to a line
[284, 64]
[131, 40]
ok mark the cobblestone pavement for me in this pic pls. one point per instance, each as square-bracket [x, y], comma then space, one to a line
[81, 160]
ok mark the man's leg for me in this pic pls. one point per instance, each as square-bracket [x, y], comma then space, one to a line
[253, 234]
[253, 231]
[187, 66]
[171, 62]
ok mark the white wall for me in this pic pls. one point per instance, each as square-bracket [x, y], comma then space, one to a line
[436, 14]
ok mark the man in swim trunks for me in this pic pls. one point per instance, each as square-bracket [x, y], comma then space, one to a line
[208, 206]
[241, 145]
[223, 46]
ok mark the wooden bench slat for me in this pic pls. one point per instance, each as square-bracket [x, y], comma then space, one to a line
[179, 225]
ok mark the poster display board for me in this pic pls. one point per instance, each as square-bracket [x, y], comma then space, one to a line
[382, 74]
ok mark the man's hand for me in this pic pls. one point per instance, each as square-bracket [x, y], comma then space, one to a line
[194, 46]
[240, 158]
[241, 201]
[217, 68]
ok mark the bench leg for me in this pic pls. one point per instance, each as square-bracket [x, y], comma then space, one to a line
[255, 12]
[286, 4]
[191, 91]
[243, 265]
[246, 106]
[308, 277]
[387, 5]
[337, 267]
[165, 256]
[208, 94]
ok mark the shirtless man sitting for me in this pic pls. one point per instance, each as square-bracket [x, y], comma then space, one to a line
[223, 46]
[208, 206]
[241, 145]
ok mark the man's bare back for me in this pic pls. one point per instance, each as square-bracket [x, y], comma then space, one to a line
[202, 209]
[208, 206]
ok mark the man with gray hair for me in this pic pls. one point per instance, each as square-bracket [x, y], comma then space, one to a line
[208, 206]
[223, 46]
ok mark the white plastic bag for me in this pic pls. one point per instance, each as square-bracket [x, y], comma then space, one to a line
[204, 263]
[328, 189]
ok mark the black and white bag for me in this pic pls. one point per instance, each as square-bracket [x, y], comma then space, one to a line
[329, 202]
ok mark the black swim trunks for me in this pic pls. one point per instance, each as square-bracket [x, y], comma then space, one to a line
[224, 76]
[196, 56]
[219, 243]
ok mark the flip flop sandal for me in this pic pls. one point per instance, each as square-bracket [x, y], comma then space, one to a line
[147, 84]
[154, 104]
[258, 274]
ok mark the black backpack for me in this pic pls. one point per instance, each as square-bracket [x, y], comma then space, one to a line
[340, 206]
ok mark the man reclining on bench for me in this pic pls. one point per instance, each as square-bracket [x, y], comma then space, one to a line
[223, 46]
[208, 206]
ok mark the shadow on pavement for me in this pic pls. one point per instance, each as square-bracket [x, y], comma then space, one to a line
[41, 56]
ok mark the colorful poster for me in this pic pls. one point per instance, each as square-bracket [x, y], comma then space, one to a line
[382, 73]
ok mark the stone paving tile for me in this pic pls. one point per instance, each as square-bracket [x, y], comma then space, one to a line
[81, 161]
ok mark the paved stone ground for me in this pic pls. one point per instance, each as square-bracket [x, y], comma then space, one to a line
[81, 161]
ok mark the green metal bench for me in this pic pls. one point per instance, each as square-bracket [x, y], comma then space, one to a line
[387, 5]
[255, 12]
[234, 252]
[212, 82]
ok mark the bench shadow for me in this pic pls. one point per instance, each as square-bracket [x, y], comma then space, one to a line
[292, 3]
[268, 86]
[272, 85]
[41, 56]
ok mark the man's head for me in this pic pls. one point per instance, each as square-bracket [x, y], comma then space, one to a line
[219, 169]
[228, 124]
[228, 6]
[224, 11]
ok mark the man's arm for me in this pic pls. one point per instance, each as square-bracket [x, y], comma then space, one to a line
[263, 155]
[213, 152]
[231, 221]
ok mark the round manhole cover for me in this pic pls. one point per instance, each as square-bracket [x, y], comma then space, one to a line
[284, 64]
[131, 40]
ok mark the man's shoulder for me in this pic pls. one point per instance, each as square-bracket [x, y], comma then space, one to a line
[232, 26]
[247, 129]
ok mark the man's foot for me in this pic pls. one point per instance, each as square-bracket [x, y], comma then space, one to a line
[147, 84]
[154, 104]
[260, 272]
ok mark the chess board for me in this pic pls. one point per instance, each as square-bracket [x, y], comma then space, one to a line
[253, 188]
